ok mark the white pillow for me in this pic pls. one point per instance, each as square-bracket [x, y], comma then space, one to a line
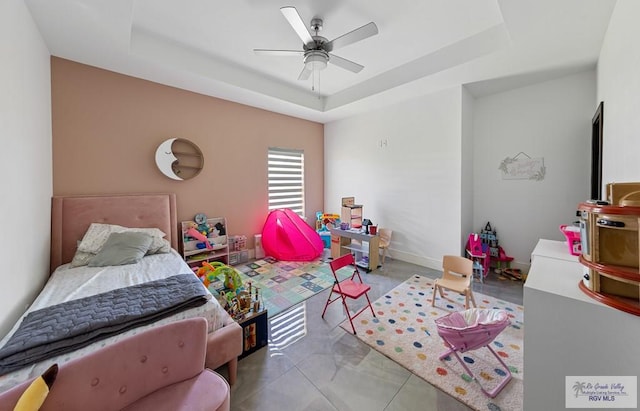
[97, 235]
[81, 258]
[162, 248]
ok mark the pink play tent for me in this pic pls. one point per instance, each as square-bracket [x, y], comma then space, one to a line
[287, 237]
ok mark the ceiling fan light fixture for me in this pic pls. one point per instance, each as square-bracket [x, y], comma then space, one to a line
[316, 49]
[316, 60]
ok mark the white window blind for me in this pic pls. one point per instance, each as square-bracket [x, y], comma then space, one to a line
[286, 179]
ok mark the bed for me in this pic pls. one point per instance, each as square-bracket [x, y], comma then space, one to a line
[71, 217]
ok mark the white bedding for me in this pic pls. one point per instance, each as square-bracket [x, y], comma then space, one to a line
[67, 284]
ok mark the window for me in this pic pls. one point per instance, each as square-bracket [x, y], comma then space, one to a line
[286, 179]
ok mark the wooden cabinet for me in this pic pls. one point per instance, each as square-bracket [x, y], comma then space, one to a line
[611, 255]
[195, 237]
[351, 213]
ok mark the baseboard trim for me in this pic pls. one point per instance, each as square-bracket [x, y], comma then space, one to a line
[436, 264]
[415, 259]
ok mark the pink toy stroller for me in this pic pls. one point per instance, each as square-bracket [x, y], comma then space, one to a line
[472, 329]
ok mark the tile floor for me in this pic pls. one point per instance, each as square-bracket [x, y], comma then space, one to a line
[313, 364]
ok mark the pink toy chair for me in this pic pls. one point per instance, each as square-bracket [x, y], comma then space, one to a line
[503, 261]
[472, 329]
[348, 288]
[479, 254]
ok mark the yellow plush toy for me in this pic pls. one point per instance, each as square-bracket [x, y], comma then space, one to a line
[35, 394]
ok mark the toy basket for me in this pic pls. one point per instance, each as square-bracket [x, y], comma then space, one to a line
[237, 242]
[572, 233]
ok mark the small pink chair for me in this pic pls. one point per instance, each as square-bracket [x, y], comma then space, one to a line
[348, 288]
[160, 369]
[479, 254]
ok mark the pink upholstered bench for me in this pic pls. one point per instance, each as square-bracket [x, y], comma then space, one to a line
[158, 369]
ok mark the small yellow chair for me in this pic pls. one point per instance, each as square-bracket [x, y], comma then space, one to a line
[385, 239]
[456, 276]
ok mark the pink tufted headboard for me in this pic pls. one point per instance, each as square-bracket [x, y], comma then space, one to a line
[72, 215]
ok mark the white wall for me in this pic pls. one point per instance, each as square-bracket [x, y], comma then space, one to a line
[412, 182]
[26, 184]
[550, 120]
[619, 88]
[467, 167]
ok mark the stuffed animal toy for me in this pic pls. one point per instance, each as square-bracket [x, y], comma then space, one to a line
[203, 229]
[192, 232]
[220, 228]
[35, 394]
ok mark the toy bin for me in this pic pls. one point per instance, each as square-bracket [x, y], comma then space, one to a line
[572, 233]
[237, 242]
[326, 238]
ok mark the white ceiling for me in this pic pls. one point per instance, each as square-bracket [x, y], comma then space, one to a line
[423, 46]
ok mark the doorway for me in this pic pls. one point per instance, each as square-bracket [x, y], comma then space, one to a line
[596, 153]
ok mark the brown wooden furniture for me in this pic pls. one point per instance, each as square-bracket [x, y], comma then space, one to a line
[351, 213]
[385, 240]
[610, 253]
[456, 276]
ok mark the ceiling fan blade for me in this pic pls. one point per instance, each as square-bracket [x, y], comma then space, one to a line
[304, 74]
[294, 19]
[268, 52]
[361, 33]
[344, 63]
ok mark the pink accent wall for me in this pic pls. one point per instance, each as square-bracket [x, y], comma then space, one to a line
[107, 126]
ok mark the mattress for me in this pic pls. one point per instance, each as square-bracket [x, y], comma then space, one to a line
[67, 284]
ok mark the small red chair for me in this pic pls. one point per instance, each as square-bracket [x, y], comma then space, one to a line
[348, 288]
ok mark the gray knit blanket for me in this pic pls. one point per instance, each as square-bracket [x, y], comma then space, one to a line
[65, 327]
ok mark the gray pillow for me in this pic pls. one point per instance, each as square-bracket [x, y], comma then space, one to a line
[122, 248]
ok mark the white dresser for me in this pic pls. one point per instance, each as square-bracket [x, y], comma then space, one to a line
[568, 333]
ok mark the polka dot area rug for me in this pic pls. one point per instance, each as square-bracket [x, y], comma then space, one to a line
[404, 330]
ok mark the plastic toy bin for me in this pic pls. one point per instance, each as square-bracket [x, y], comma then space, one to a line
[572, 233]
[326, 238]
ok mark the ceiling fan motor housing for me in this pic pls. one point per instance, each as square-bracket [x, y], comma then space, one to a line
[316, 24]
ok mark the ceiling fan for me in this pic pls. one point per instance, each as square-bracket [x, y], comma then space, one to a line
[316, 50]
